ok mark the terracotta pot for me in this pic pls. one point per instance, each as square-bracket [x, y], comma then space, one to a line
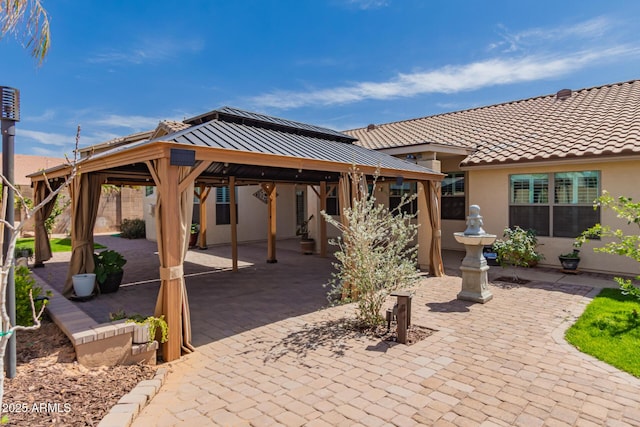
[307, 246]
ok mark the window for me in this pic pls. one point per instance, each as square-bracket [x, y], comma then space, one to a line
[453, 197]
[332, 202]
[574, 195]
[566, 213]
[223, 206]
[406, 189]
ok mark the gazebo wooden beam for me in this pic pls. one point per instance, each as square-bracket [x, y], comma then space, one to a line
[323, 222]
[234, 223]
[270, 189]
[203, 195]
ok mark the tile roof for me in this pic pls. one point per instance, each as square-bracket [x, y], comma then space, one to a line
[597, 121]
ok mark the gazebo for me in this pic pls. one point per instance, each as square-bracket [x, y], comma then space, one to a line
[225, 147]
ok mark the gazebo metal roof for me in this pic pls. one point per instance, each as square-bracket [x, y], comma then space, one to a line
[253, 148]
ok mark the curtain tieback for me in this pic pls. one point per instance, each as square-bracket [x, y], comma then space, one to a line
[169, 273]
[80, 243]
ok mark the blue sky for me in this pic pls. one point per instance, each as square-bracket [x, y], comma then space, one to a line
[119, 66]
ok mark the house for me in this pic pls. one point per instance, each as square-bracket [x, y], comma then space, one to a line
[538, 163]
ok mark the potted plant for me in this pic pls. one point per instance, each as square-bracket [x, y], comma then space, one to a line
[193, 237]
[108, 270]
[570, 260]
[307, 245]
[145, 328]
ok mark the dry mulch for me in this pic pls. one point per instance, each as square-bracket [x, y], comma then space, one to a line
[52, 388]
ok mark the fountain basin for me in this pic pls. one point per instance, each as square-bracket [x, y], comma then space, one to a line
[474, 239]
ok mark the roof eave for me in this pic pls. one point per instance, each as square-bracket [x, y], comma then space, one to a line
[596, 158]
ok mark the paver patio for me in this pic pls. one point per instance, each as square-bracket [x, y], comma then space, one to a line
[266, 355]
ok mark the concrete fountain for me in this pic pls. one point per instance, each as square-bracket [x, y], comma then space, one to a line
[474, 265]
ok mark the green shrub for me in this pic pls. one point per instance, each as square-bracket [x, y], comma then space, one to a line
[25, 283]
[518, 248]
[133, 229]
[23, 251]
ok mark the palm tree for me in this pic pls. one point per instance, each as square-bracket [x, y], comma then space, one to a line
[13, 14]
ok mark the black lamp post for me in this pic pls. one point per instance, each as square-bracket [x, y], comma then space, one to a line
[9, 115]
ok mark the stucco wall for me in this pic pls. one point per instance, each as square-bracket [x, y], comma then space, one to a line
[252, 216]
[489, 188]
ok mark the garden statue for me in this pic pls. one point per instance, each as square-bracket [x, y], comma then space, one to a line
[474, 266]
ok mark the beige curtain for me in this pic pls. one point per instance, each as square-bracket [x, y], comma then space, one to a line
[436, 267]
[186, 214]
[42, 244]
[85, 196]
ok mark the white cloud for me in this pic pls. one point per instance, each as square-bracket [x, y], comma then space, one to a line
[134, 123]
[368, 4]
[147, 50]
[44, 117]
[448, 79]
[46, 138]
[516, 41]
[57, 144]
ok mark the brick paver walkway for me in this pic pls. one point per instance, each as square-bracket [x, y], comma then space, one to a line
[503, 363]
[268, 354]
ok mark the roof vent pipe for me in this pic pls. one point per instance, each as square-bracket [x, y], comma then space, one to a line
[563, 94]
[371, 127]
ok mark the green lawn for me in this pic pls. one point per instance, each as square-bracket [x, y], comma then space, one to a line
[609, 329]
[57, 244]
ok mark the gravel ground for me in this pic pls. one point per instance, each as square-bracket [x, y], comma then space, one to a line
[51, 388]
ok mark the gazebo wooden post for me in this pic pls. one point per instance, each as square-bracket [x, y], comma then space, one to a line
[202, 196]
[424, 231]
[234, 223]
[172, 254]
[271, 208]
[323, 222]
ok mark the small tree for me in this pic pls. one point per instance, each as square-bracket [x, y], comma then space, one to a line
[627, 245]
[376, 255]
[6, 328]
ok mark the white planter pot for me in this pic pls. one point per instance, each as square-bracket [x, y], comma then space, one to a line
[83, 284]
[141, 334]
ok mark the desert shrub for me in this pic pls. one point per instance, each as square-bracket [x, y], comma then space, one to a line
[376, 255]
[24, 283]
[133, 228]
